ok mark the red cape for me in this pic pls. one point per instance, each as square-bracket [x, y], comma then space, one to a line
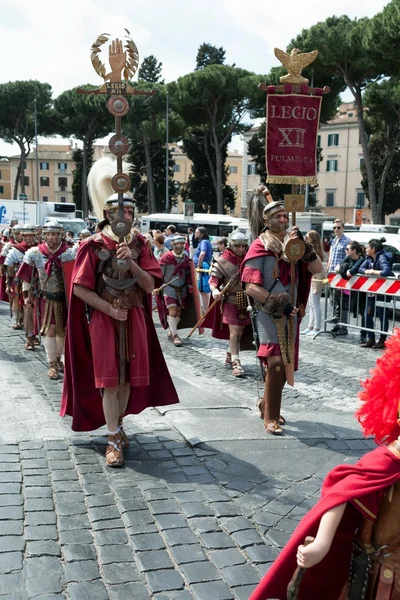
[80, 398]
[362, 485]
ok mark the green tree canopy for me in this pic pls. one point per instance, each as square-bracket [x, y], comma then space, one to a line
[150, 70]
[85, 117]
[215, 100]
[17, 117]
[208, 54]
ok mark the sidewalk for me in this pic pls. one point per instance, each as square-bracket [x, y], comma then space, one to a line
[206, 499]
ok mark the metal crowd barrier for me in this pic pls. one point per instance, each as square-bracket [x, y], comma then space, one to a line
[379, 294]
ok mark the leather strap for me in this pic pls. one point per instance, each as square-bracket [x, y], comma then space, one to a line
[386, 578]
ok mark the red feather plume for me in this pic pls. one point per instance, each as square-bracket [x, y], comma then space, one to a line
[380, 397]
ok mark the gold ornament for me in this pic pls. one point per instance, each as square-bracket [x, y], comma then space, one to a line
[295, 62]
[122, 58]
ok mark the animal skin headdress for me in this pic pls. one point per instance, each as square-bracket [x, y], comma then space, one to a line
[101, 191]
[379, 413]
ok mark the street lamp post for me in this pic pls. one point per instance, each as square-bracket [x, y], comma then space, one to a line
[37, 154]
[166, 157]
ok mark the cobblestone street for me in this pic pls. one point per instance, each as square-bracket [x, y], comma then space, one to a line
[206, 499]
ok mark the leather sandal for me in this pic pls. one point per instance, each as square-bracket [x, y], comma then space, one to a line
[35, 340]
[114, 454]
[60, 364]
[122, 433]
[273, 427]
[237, 369]
[17, 326]
[30, 344]
[260, 406]
[228, 358]
[53, 371]
[176, 340]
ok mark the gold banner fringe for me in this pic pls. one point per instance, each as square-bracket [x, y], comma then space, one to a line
[292, 179]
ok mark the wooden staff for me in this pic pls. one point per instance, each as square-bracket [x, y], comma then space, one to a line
[294, 584]
[209, 309]
[165, 285]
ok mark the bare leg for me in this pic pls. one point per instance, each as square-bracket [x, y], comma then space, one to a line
[50, 345]
[235, 333]
[111, 408]
[205, 299]
[275, 379]
[124, 391]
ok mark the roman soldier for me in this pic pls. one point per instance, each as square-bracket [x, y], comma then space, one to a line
[113, 365]
[175, 267]
[353, 531]
[232, 309]
[5, 247]
[84, 234]
[266, 274]
[24, 238]
[44, 263]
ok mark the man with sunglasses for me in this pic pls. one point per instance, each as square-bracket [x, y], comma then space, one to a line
[337, 255]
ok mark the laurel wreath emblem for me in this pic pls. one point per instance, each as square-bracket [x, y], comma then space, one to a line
[131, 49]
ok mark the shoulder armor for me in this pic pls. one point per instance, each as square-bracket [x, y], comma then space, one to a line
[33, 257]
[6, 248]
[69, 254]
[13, 256]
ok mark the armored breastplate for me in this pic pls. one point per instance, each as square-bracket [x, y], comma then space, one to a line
[53, 285]
[225, 270]
[114, 283]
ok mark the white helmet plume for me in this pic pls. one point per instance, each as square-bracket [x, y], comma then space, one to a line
[99, 182]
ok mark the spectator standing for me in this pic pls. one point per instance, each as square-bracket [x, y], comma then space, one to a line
[355, 255]
[222, 245]
[159, 248]
[314, 322]
[202, 260]
[170, 231]
[377, 263]
[337, 255]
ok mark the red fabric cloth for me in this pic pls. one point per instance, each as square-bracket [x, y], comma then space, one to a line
[365, 483]
[52, 258]
[90, 355]
[180, 267]
[25, 272]
[3, 293]
[22, 247]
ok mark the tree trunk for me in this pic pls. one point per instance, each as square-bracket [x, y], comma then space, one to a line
[366, 155]
[385, 173]
[85, 203]
[149, 172]
[22, 168]
[219, 173]
[16, 183]
[210, 162]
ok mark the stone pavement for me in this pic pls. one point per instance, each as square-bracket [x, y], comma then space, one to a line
[206, 499]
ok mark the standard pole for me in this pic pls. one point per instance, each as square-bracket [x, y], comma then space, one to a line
[37, 155]
[166, 157]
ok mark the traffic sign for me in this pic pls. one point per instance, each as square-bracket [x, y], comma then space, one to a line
[23, 197]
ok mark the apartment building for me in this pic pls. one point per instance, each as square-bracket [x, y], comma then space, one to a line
[5, 179]
[56, 167]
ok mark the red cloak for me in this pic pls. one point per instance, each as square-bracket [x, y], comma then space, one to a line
[361, 486]
[80, 398]
[180, 269]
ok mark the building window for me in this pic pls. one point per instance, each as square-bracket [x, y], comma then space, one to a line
[0, 175]
[350, 115]
[232, 169]
[361, 163]
[45, 198]
[318, 141]
[62, 167]
[251, 169]
[1, 189]
[333, 139]
[331, 165]
[330, 199]
[177, 168]
[360, 200]
[62, 183]
[63, 198]
[26, 180]
[44, 181]
[44, 166]
[367, 135]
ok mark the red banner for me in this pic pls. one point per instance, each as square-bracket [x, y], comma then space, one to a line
[291, 138]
